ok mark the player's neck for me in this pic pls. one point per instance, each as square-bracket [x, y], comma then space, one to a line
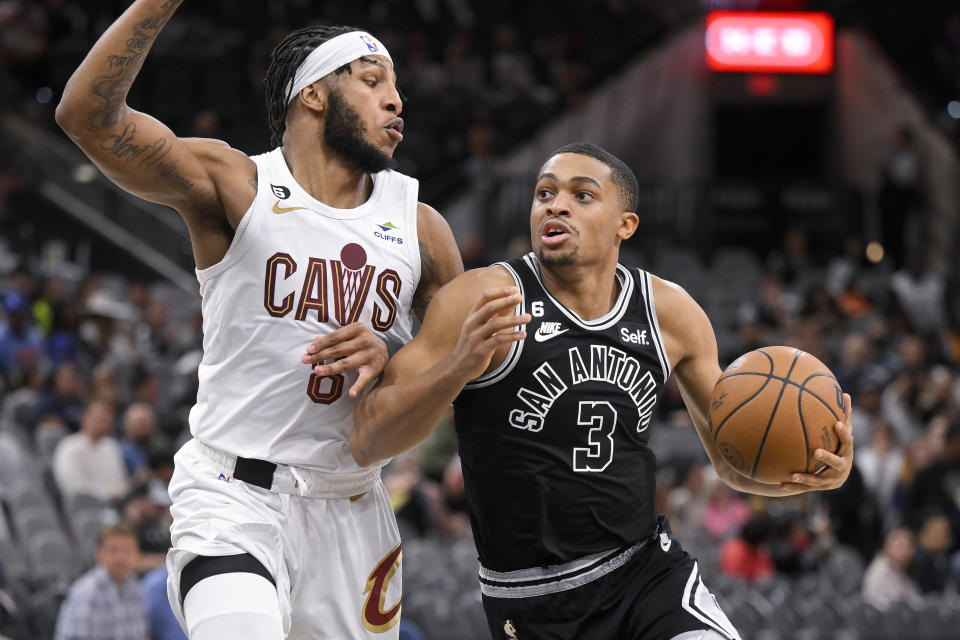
[589, 291]
[326, 177]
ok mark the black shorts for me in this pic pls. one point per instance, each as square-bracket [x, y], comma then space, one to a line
[655, 595]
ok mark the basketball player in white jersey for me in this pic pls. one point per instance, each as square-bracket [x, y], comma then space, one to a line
[277, 531]
[553, 422]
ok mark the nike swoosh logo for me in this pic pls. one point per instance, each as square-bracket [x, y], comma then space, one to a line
[543, 337]
[278, 209]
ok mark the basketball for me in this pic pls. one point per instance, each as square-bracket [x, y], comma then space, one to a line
[772, 409]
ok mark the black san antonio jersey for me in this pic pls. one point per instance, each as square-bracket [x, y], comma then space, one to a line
[554, 441]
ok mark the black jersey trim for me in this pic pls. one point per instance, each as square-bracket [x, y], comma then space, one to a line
[605, 321]
[513, 355]
[647, 289]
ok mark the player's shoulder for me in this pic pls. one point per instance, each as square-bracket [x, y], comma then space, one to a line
[429, 215]
[218, 152]
[669, 293]
[677, 311]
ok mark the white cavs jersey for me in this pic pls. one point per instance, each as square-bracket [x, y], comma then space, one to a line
[296, 269]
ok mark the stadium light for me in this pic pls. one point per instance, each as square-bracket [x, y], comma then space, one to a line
[769, 42]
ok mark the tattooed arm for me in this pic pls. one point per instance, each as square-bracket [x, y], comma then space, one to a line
[205, 180]
[439, 257]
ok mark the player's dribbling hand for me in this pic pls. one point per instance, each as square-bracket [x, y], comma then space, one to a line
[489, 325]
[838, 464]
[354, 346]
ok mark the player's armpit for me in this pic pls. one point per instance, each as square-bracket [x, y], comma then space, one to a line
[440, 260]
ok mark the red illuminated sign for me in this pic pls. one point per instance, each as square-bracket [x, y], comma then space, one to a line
[769, 42]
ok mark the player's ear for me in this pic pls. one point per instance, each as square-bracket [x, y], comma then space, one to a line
[629, 221]
[314, 97]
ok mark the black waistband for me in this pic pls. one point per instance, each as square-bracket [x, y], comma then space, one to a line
[256, 472]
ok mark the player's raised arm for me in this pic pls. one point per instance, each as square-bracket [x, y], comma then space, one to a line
[468, 326]
[691, 338]
[133, 149]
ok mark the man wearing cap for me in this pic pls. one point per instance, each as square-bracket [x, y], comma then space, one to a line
[277, 531]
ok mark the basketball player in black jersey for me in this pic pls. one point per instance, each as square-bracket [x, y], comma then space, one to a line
[553, 362]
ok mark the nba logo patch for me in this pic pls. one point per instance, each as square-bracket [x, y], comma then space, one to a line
[371, 43]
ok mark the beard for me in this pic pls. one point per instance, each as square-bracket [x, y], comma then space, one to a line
[553, 261]
[343, 134]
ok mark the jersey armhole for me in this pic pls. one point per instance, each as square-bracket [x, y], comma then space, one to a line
[246, 230]
[516, 348]
[412, 205]
[646, 285]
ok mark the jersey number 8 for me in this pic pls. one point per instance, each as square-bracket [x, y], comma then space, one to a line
[325, 397]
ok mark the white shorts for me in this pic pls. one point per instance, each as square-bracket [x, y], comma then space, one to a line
[335, 560]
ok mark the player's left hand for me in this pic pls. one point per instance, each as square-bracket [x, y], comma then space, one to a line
[354, 346]
[838, 464]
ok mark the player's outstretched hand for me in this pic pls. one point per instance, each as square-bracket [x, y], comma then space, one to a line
[354, 346]
[838, 464]
[489, 325]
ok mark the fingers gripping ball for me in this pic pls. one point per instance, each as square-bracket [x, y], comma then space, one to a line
[772, 409]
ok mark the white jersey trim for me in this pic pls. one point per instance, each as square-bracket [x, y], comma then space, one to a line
[298, 193]
[646, 288]
[516, 348]
[412, 188]
[697, 600]
[243, 236]
[538, 581]
[605, 321]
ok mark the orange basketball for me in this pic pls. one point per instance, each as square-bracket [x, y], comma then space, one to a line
[772, 409]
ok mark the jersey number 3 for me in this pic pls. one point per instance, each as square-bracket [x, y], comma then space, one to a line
[601, 417]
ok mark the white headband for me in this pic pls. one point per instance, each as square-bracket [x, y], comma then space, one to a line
[333, 54]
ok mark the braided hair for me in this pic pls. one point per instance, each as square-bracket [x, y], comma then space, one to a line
[284, 62]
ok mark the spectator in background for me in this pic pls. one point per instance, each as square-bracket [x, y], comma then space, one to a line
[91, 461]
[62, 404]
[919, 293]
[747, 556]
[887, 579]
[899, 194]
[146, 510]
[688, 500]
[139, 433]
[453, 521]
[725, 512]
[852, 514]
[162, 623]
[932, 561]
[103, 384]
[899, 398]
[413, 503]
[881, 463]
[105, 602]
[21, 344]
[935, 487]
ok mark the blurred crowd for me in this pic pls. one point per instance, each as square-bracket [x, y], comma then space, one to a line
[99, 375]
[476, 78]
[98, 370]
